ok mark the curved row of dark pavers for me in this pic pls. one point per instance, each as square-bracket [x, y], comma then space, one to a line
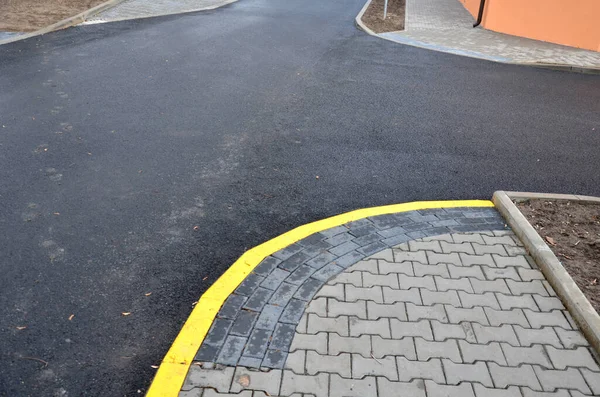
[256, 324]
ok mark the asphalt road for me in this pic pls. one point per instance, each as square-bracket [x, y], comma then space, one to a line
[117, 141]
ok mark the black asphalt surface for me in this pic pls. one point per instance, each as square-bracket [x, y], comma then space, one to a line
[118, 140]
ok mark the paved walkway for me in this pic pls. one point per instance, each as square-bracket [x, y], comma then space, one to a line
[133, 9]
[426, 303]
[445, 25]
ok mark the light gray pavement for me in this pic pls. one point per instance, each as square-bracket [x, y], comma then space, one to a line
[445, 25]
[133, 9]
[458, 314]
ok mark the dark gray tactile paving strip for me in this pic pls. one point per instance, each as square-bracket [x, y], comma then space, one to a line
[256, 324]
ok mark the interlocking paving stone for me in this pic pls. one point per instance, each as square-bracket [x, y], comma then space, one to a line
[268, 317]
[508, 302]
[342, 344]
[283, 294]
[425, 323]
[385, 366]
[447, 349]
[555, 318]
[358, 293]
[570, 378]
[548, 303]
[503, 333]
[266, 266]
[218, 332]
[434, 259]
[592, 379]
[316, 342]
[308, 289]
[336, 308]
[402, 267]
[386, 388]
[218, 378]
[513, 316]
[442, 331]
[514, 376]
[457, 373]
[339, 364]
[445, 297]
[571, 339]
[579, 357]
[525, 355]
[379, 327]
[391, 296]
[545, 336]
[354, 278]
[340, 387]
[384, 347]
[486, 299]
[282, 337]
[338, 325]
[291, 263]
[257, 343]
[249, 284]
[434, 312]
[258, 299]
[317, 306]
[301, 274]
[274, 359]
[232, 350]
[409, 370]
[472, 352]
[558, 393]
[293, 311]
[244, 323]
[265, 381]
[401, 329]
[332, 291]
[232, 306]
[436, 390]
[296, 361]
[317, 385]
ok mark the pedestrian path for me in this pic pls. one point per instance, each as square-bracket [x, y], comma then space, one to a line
[133, 9]
[441, 302]
[445, 25]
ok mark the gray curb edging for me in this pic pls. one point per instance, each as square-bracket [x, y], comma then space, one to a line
[552, 66]
[361, 25]
[575, 301]
[65, 23]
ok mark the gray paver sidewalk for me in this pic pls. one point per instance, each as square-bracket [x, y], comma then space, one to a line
[456, 314]
[445, 25]
[133, 9]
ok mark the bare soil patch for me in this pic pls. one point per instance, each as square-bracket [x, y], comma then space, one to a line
[31, 15]
[572, 230]
[373, 16]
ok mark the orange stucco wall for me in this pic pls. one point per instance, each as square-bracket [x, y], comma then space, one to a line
[574, 23]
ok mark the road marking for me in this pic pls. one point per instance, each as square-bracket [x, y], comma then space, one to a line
[174, 367]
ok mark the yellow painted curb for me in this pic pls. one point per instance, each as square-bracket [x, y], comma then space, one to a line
[174, 367]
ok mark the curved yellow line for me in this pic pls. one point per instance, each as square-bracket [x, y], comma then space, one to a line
[174, 367]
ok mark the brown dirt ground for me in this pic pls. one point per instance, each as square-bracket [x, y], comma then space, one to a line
[31, 15]
[373, 16]
[572, 230]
